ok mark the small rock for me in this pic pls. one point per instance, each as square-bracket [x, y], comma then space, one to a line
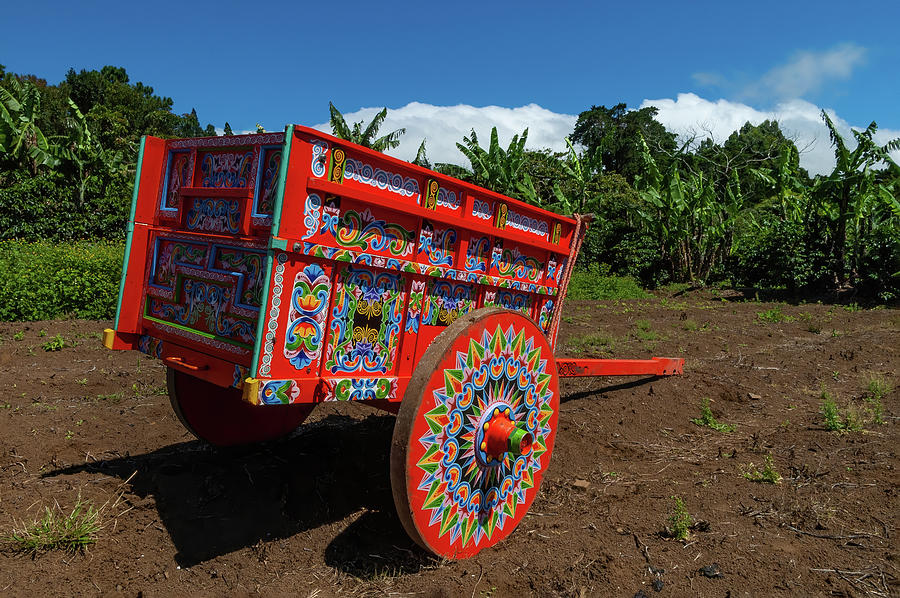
[754, 396]
[621, 531]
[581, 484]
[711, 571]
[640, 594]
[658, 585]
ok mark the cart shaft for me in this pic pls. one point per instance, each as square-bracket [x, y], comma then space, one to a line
[658, 366]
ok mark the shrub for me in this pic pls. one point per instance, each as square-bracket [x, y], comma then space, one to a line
[40, 281]
[597, 284]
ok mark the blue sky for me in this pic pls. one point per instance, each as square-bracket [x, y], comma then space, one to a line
[462, 64]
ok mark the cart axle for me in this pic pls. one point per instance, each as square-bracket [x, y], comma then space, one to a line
[658, 366]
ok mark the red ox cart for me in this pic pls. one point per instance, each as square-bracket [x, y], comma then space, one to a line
[275, 271]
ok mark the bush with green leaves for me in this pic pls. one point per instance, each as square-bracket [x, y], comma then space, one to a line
[40, 281]
[595, 283]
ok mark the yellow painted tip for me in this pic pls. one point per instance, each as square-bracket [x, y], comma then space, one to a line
[109, 336]
[251, 391]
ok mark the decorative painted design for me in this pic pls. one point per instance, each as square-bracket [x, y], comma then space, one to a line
[500, 217]
[338, 158]
[445, 302]
[270, 166]
[265, 362]
[511, 262]
[551, 267]
[431, 194]
[380, 179]
[462, 496]
[306, 320]
[228, 141]
[311, 214]
[361, 230]
[400, 265]
[169, 253]
[546, 315]
[414, 310]
[359, 389]
[319, 158]
[557, 230]
[482, 209]
[365, 324]
[248, 266]
[526, 224]
[179, 173]
[331, 215]
[476, 254]
[448, 199]
[203, 306]
[515, 301]
[226, 170]
[240, 374]
[438, 244]
[215, 215]
[150, 346]
[278, 392]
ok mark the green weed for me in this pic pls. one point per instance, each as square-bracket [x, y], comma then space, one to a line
[876, 389]
[774, 316]
[707, 419]
[835, 420]
[690, 325]
[679, 520]
[766, 475]
[593, 343]
[57, 530]
[55, 344]
[19, 335]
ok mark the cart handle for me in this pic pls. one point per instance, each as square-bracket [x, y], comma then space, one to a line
[178, 362]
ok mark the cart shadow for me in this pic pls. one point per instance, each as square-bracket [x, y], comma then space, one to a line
[592, 393]
[214, 502]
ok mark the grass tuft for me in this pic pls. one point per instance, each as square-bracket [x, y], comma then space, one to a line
[766, 475]
[708, 420]
[56, 530]
[679, 520]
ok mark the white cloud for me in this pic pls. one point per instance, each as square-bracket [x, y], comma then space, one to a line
[690, 115]
[443, 126]
[806, 72]
[686, 115]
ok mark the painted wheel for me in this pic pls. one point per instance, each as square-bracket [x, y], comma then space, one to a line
[475, 433]
[221, 417]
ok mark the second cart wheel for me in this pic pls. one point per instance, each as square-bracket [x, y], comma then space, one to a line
[221, 417]
[475, 433]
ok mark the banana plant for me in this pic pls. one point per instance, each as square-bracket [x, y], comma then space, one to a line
[20, 137]
[496, 168]
[367, 137]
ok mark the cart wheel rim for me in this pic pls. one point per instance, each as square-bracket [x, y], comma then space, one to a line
[221, 417]
[475, 433]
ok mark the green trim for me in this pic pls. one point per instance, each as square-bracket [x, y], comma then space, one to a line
[197, 332]
[263, 312]
[134, 199]
[279, 244]
[282, 177]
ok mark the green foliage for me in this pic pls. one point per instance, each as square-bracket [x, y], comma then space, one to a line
[40, 281]
[767, 474]
[707, 419]
[495, 168]
[55, 344]
[594, 343]
[365, 137]
[598, 285]
[836, 420]
[680, 520]
[774, 315]
[57, 530]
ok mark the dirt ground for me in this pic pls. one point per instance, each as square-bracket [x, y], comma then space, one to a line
[312, 515]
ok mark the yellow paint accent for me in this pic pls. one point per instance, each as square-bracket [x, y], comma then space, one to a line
[251, 391]
[109, 336]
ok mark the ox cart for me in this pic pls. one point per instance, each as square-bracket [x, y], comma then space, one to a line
[275, 271]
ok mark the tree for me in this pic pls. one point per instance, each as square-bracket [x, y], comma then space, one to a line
[364, 137]
[855, 190]
[495, 168]
[615, 135]
[228, 132]
[21, 140]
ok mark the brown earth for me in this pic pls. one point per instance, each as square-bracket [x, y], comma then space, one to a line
[313, 515]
